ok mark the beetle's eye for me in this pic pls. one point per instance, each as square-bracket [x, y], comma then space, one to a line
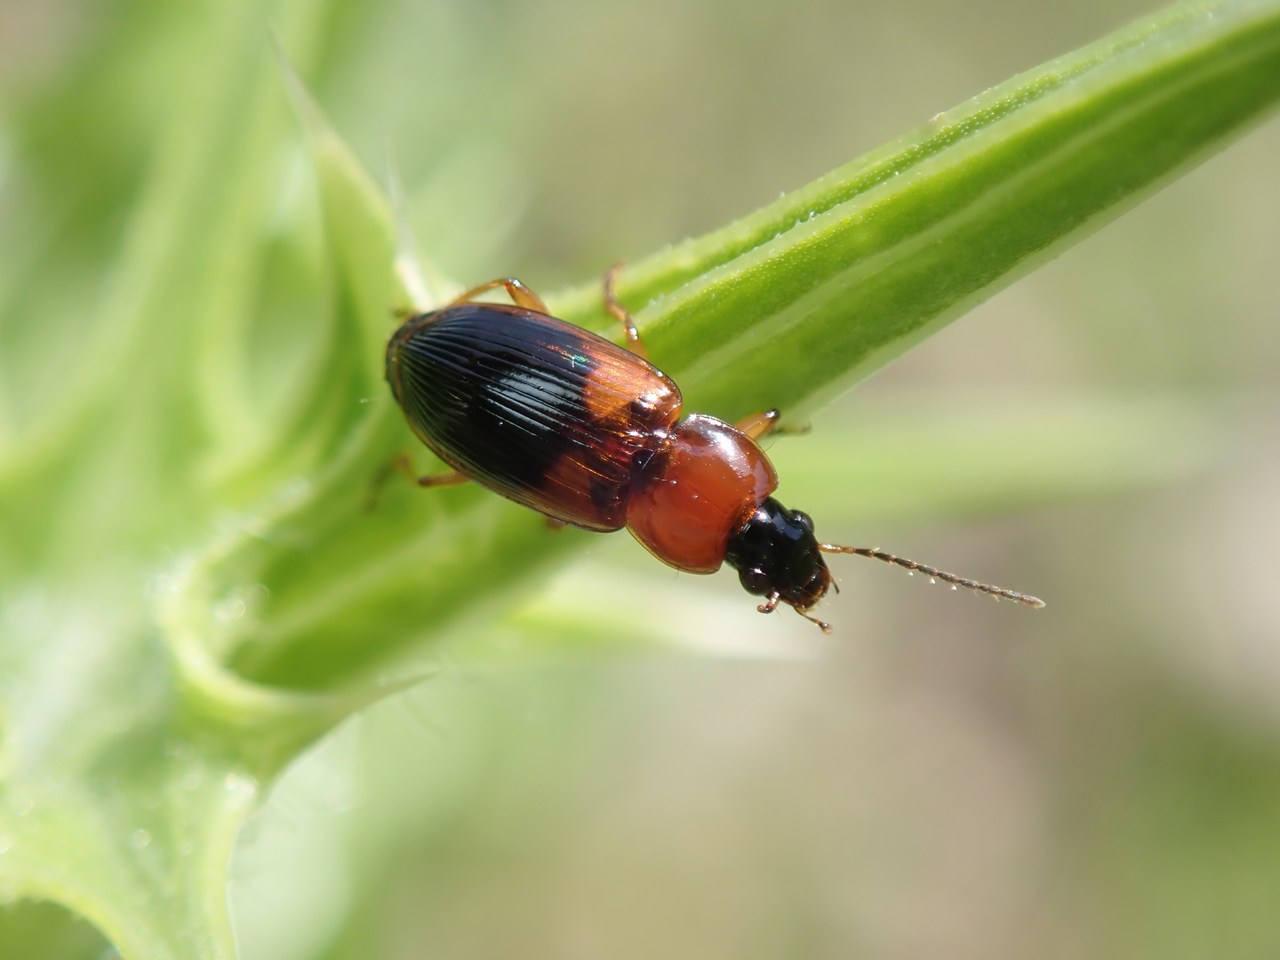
[803, 519]
[754, 580]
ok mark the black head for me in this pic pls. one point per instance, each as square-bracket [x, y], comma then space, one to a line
[777, 556]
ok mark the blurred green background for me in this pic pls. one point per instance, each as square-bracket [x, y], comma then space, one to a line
[944, 776]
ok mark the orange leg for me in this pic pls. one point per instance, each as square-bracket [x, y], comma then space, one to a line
[759, 424]
[520, 295]
[449, 479]
[634, 343]
[404, 466]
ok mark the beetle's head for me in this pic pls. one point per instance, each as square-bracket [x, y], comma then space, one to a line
[777, 557]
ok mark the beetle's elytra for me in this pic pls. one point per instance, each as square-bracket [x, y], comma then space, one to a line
[591, 434]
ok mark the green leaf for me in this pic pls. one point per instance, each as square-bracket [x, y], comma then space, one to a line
[800, 299]
[804, 297]
[191, 588]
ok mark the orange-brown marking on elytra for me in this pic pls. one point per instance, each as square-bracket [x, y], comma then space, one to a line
[626, 395]
[588, 488]
[590, 485]
[630, 406]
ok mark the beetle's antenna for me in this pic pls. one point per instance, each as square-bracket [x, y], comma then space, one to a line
[875, 553]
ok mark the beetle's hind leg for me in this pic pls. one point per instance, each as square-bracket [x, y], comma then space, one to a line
[520, 295]
[404, 466]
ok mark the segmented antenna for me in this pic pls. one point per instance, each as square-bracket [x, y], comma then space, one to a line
[875, 553]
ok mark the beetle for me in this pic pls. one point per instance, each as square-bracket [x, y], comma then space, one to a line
[590, 434]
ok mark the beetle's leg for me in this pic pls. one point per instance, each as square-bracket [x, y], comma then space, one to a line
[404, 466]
[520, 295]
[634, 343]
[379, 481]
[450, 478]
[760, 424]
